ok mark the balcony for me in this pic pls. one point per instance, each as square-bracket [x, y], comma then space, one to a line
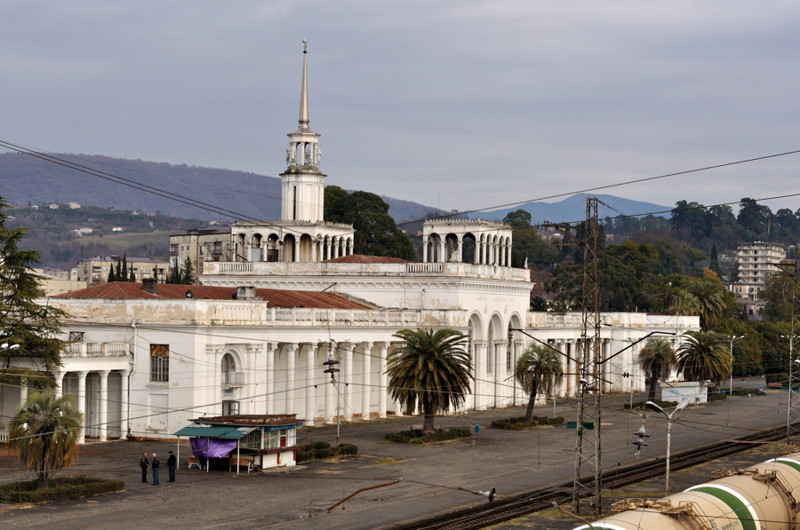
[96, 349]
[232, 379]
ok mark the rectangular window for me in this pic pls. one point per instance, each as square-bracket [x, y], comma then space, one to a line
[159, 363]
[230, 408]
[274, 439]
[76, 336]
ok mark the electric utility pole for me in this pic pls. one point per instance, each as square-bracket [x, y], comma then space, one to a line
[586, 482]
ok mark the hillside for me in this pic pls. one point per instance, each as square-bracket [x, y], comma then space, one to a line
[54, 233]
[573, 209]
[25, 180]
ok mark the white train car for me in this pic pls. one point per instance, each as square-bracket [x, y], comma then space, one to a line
[762, 497]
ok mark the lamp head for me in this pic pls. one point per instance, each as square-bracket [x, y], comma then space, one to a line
[652, 406]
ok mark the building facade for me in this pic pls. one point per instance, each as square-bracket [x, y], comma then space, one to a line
[94, 271]
[756, 262]
[251, 339]
[200, 245]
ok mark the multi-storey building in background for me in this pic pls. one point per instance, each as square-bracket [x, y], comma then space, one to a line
[94, 271]
[199, 246]
[756, 262]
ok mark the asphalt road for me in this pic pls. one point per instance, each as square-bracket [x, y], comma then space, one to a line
[408, 481]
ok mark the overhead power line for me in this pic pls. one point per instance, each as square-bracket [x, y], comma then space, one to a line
[616, 185]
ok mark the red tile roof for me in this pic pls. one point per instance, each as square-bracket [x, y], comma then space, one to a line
[361, 258]
[166, 291]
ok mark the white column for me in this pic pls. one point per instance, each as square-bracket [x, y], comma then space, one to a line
[365, 379]
[291, 350]
[460, 248]
[124, 407]
[350, 246]
[311, 393]
[480, 374]
[327, 247]
[424, 249]
[500, 373]
[442, 250]
[336, 243]
[82, 404]
[103, 405]
[348, 380]
[269, 347]
[314, 245]
[514, 358]
[59, 379]
[508, 253]
[382, 378]
[297, 250]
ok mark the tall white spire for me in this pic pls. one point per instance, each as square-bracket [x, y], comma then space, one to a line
[304, 91]
[303, 185]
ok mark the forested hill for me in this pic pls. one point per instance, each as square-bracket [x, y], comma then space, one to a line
[25, 180]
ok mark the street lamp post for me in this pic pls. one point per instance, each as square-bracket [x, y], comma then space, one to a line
[732, 338]
[792, 362]
[332, 369]
[670, 418]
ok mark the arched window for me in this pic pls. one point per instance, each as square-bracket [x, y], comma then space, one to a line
[229, 374]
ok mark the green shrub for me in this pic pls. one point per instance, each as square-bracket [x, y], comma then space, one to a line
[521, 424]
[777, 378]
[324, 453]
[320, 445]
[303, 456]
[717, 397]
[59, 489]
[415, 436]
[347, 450]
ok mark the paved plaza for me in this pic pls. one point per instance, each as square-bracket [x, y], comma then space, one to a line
[407, 481]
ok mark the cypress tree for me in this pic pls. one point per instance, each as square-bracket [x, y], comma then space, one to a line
[714, 261]
[187, 275]
[123, 274]
[111, 275]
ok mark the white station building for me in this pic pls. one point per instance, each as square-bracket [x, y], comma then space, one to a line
[147, 358]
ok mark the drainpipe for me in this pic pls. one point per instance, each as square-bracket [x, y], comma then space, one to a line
[130, 372]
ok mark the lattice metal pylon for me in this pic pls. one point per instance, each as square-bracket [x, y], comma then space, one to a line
[792, 416]
[586, 482]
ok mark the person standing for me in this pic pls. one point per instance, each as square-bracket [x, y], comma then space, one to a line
[144, 464]
[171, 462]
[155, 469]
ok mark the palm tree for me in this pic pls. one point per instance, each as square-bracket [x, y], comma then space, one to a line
[538, 369]
[430, 368]
[711, 301]
[46, 430]
[704, 355]
[657, 359]
[684, 303]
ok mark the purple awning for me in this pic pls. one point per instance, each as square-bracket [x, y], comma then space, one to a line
[211, 447]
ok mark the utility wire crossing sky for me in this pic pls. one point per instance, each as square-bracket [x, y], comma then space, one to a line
[454, 104]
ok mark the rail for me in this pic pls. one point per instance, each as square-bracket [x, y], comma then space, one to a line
[538, 500]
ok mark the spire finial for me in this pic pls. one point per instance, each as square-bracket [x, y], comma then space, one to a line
[305, 46]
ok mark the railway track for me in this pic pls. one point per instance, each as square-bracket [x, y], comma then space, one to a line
[534, 501]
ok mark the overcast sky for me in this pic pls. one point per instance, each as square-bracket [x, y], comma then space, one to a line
[457, 104]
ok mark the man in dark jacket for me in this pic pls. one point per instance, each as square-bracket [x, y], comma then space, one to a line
[155, 469]
[171, 462]
[144, 464]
